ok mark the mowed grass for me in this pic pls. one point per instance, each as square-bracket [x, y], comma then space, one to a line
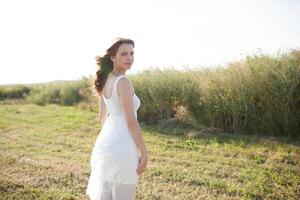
[45, 153]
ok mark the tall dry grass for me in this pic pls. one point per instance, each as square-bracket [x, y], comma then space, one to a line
[258, 95]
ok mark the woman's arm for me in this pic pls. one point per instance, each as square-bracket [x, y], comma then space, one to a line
[125, 92]
[103, 112]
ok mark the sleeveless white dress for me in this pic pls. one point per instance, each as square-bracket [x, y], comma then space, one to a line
[115, 156]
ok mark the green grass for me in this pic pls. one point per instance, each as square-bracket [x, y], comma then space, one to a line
[45, 152]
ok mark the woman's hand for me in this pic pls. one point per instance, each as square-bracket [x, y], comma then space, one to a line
[142, 164]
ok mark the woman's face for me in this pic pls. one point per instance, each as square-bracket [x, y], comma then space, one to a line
[124, 57]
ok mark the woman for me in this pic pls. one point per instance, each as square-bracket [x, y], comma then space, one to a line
[119, 155]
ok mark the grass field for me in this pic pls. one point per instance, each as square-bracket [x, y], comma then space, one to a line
[45, 152]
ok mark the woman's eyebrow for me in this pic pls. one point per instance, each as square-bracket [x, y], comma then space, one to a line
[127, 52]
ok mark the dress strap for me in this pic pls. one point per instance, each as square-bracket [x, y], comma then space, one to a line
[114, 92]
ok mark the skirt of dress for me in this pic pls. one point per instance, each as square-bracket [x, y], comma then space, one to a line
[114, 161]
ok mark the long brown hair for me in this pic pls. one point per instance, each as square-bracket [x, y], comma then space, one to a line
[106, 65]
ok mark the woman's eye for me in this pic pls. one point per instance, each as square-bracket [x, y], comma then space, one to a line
[125, 54]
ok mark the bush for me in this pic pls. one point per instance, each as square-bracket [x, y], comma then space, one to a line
[45, 94]
[69, 93]
[14, 92]
[64, 93]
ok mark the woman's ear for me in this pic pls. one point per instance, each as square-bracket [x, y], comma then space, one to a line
[112, 58]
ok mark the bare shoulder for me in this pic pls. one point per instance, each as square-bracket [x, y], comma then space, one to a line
[124, 87]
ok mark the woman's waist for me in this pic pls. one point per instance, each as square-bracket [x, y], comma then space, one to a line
[117, 115]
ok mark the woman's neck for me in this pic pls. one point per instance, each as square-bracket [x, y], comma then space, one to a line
[116, 72]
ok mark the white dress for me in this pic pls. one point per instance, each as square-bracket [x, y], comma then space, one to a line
[115, 156]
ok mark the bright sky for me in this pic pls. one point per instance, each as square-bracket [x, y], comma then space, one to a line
[57, 40]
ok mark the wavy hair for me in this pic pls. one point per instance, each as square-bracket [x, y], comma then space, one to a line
[106, 65]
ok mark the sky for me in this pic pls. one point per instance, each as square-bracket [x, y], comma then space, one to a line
[43, 41]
